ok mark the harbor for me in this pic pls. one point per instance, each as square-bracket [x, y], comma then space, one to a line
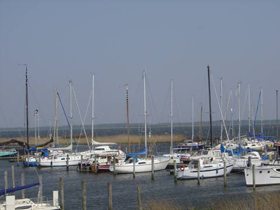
[159, 189]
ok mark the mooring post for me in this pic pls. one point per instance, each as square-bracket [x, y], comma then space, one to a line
[22, 184]
[67, 162]
[198, 172]
[95, 165]
[84, 195]
[254, 178]
[6, 180]
[110, 200]
[61, 192]
[114, 164]
[175, 171]
[153, 168]
[139, 201]
[133, 168]
[40, 192]
[80, 166]
[225, 174]
[17, 158]
[13, 176]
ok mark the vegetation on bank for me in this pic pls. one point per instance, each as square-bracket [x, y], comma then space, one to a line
[253, 201]
[119, 139]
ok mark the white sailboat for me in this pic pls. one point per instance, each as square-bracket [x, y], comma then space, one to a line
[57, 156]
[11, 203]
[135, 164]
[204, 167]
[268, 174]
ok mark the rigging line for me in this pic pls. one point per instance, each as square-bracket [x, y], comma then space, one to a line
[86, 113]
[83, 125]
[221, 111]
[64, 112]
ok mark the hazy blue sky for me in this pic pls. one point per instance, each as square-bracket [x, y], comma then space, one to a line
[117, 40]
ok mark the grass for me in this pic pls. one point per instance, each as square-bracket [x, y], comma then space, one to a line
[119, 139]
[253, 201]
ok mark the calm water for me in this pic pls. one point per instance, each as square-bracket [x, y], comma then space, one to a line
[182, 194]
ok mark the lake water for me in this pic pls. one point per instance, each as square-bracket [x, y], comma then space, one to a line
[182, 194]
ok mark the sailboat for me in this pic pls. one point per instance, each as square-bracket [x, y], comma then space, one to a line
[57, 156]
[101, 154]
[133, 162]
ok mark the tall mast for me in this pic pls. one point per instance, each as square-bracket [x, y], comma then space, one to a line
[127, 117]
[277, 114]
[261, 111]
[56, 140]
[239, 114]
[92, 112]
[200, 127]
[71, 112]
[145, 112]
[171, 118]
[210, 109]
[26, 107]
[249, 108]
[221, 102]
[192, 120]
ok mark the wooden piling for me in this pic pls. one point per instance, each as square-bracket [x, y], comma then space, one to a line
[139, 201]
[153, 168]
[95, 165]
[114, 165]
[110, 200]
[17, 158]
[175, 171]
[13, 176]
[40, 192]
[84, 195]
[67, 162]
[133, 168]
[198, 172]
[6, 180]
[254, 178]
[225, 174]
[22, 184]
[61, 192]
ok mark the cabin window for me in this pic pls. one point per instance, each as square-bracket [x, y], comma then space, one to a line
[62, 158]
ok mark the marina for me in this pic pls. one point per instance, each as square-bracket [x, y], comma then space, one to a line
[162, 188]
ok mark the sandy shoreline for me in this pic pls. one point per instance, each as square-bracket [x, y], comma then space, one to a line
[119, 139]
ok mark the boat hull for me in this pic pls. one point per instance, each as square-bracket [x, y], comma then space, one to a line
[59, 162]
[159, 164]
[207, 172]
[264, 175]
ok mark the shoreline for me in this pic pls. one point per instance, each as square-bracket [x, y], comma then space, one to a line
[118, 139]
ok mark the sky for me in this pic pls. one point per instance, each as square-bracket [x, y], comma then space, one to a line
[116, 41]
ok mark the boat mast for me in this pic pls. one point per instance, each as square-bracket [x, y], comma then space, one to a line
[56, 140]
[26, 107]
[200, 127]
[145, 112]
[261, 111]
[221, 102]
[127, 117]
[92, 112]
[71, 112]
[210, 109]
[249, 108]
[171, 118]
[277, 114]
[192, 120]
[239, 114]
